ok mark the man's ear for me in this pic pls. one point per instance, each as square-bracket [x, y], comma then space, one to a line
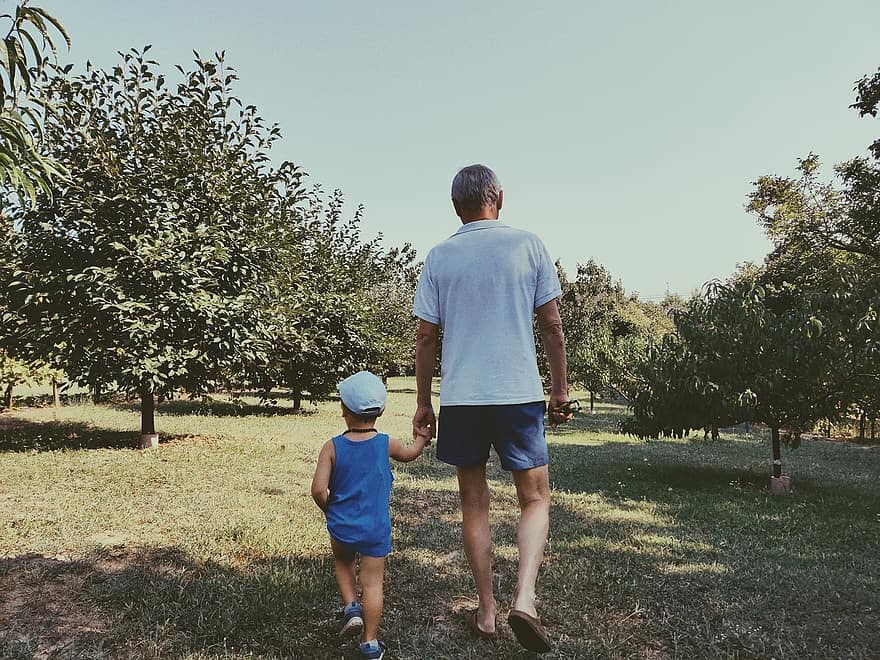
[500, 199]
[457, 208]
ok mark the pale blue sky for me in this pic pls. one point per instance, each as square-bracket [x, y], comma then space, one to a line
[627, 132]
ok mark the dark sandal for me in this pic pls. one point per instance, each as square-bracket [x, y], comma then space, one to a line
[479, 632]
[529, 631]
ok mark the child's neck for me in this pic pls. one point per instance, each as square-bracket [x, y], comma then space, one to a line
[358, 426]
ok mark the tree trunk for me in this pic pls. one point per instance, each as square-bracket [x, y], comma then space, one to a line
[56, 397]
[592, 397]
[862, 426]
[297, 399]
[7, 397]
[777, 454]
[873, 423]
[149, 437]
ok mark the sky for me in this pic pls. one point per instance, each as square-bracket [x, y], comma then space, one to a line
[625, 132]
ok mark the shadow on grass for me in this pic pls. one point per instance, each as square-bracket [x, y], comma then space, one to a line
[162, 602]
[21, 435]
[183, 407]
[726, 467]
[707, 552]
[693, 560]
[409, 390]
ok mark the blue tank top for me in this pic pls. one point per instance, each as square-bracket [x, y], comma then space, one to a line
[358, 512]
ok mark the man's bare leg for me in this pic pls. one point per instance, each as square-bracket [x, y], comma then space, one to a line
[533, 493]
[477, 539]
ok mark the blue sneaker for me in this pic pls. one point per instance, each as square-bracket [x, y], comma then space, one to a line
[352, 621]
[373, 650]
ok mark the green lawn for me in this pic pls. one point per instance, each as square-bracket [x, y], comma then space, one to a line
[210, 545]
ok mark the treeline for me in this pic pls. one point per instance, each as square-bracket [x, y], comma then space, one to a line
[795, 341]
[171, 255]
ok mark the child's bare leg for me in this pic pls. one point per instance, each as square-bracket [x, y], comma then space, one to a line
[345, 564]
[372, 575]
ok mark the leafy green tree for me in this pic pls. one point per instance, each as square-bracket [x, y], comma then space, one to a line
[826, 238]
[147, 270]
[341, 304]
[658, 392]
[796, 340]
[29, 33]
[389, 313]
[607, 331]
[868, 102]
[739, 356]
[587, 309]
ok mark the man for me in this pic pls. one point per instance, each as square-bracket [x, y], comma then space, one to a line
[483, 287]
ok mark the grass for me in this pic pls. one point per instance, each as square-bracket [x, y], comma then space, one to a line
[210, 546]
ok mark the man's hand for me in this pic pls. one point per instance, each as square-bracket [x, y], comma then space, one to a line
[557, 409]
[425, 423]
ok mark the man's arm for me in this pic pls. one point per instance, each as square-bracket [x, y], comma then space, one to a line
[553, 338]
[424, 421]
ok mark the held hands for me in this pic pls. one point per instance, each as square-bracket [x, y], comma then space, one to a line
[424, 424]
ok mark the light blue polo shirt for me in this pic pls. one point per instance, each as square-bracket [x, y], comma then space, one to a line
[482, 286]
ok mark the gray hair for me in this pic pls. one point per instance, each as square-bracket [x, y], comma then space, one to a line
[474, 187]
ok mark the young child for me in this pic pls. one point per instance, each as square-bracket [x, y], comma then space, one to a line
[352, 486]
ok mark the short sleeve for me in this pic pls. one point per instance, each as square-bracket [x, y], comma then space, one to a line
[548, 286]
[426, 304]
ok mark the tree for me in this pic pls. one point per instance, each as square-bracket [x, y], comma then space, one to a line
[827, 241]
[146, 270]
[868, 101]
[738, 356]
[389, 313]
[587, 310]
[791, 342]
[340, 304]
[606, 331]
[29, 34]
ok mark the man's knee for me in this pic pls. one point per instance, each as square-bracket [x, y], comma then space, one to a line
[533, 487]
[473, 488]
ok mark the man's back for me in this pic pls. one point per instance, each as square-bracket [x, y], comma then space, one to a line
[482, 286]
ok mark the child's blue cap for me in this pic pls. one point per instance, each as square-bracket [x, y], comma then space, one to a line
[363, 394]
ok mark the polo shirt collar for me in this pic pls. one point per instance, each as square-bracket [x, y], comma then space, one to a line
[478, 224]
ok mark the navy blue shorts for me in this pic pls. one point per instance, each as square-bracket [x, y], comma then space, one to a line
[465, 433]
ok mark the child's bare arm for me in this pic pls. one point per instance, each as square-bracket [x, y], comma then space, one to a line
[406, 453]
[321, 480]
